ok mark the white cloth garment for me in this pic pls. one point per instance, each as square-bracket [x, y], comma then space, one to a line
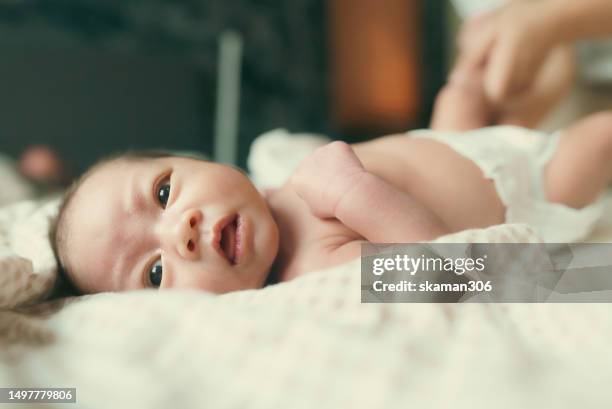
[469, 8]
[515, 159]
[14, 186]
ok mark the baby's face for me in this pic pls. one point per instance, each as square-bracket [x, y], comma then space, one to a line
[169, 223]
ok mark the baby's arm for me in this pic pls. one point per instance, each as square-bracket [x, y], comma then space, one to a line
[334, 183]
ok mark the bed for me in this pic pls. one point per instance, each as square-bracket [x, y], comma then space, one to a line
[308, 343]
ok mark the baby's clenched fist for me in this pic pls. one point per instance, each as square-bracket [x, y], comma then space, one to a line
[324, 177]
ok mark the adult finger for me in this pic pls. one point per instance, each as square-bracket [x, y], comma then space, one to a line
[500, 72]
[472, 59]
[475, 27]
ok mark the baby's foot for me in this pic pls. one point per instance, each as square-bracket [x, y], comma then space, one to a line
[462, 103]
[472, 84]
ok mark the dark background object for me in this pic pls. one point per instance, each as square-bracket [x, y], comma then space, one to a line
[88, 103]
[93, 77]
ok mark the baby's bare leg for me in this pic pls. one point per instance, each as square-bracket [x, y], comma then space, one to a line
[582, 165]
[461, 105]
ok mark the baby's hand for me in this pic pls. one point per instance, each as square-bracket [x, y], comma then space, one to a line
[324, 177]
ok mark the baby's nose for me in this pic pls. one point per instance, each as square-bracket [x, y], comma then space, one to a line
[187, 234]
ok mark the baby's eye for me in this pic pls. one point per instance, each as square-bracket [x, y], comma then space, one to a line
[163, 193]
[155, 273]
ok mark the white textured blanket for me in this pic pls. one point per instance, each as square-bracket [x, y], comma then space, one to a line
[310, 343]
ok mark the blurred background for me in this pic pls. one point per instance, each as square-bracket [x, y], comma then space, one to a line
[92, 77]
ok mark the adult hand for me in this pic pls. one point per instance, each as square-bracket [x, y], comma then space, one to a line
[509, 44]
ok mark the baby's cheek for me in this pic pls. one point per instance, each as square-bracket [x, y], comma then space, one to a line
[87, 282]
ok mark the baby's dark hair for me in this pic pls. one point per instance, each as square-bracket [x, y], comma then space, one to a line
[58, 232]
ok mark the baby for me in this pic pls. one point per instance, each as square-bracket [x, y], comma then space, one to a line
[162, 221]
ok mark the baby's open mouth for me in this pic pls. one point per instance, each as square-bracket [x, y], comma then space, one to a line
[230, 241]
